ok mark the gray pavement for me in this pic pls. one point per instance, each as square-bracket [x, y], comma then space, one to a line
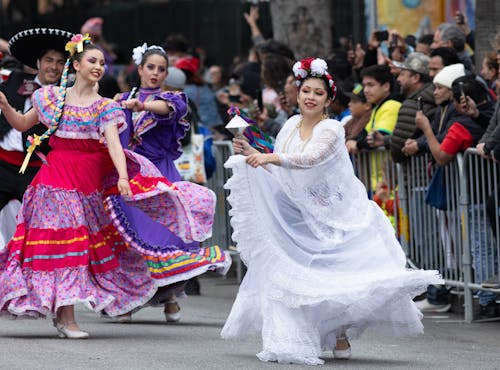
[194, 343]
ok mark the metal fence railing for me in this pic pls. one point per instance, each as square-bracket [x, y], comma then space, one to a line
[480, 197]
[222, 230]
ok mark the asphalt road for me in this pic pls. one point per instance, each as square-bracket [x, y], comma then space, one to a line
[194, 343]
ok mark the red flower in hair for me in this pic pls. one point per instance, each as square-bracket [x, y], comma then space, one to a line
[306, 63]
[314, 67]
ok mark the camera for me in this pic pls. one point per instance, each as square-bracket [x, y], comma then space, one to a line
[381, 35]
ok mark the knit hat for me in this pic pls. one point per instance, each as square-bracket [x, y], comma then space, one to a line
[448, 74]
[176, 78]
[416, 62]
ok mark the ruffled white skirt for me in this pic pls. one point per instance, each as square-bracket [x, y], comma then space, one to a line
[300, 298]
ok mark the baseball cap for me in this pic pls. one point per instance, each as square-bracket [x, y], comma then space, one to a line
[356, 93]
[416, 62]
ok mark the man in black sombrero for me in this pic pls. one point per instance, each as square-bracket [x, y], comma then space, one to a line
[41, 49]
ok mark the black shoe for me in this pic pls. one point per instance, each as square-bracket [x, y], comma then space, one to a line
[192, 287]
[489, 311]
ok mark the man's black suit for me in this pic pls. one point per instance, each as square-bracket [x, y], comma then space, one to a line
[12, 184]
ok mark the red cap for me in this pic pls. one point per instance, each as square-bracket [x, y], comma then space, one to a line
[190, 64]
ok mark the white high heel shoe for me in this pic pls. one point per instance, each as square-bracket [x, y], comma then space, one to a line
[64, 332]
[124, 319]
[342, 354]
[173, 317]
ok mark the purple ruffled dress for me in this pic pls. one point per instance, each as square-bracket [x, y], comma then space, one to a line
[169, 258]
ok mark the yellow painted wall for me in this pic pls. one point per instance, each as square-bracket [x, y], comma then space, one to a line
[394, 15]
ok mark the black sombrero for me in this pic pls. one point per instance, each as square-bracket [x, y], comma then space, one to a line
[27, 45]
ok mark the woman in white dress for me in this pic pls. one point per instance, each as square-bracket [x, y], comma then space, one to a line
[323, 261]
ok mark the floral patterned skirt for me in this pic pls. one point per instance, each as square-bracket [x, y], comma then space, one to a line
[66, 249]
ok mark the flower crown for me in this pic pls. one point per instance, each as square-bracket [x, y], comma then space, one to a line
[313, 67]
[77, 43]
[138, 52]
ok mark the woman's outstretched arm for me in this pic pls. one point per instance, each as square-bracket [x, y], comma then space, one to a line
[118, 157]
[21, 122]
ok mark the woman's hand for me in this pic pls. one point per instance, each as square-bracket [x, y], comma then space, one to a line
[124, 187]
[469, 106]
[241, 146]
[258, 159]
[133, 104]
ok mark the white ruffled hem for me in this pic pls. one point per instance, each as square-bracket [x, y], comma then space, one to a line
[288, 358]
[300, 309]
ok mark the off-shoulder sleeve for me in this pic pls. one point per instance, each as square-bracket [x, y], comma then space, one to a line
[319, 150]
[111, 114]
[44, 101]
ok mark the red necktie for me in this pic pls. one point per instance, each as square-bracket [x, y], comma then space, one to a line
[28, 87]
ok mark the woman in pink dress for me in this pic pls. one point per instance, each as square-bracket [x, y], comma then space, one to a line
[65, 249]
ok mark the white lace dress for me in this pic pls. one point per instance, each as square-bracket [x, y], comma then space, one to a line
[322, 258]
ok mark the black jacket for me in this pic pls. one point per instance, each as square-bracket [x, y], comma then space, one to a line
[9, 88]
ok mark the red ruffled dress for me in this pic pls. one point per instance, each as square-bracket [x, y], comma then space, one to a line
[66, 249]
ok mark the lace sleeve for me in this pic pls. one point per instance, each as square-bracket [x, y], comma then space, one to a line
[318, 151]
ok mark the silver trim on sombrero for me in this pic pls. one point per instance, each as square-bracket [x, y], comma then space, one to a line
[39, 31]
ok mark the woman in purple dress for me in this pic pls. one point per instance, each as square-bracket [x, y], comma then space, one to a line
[155, 127]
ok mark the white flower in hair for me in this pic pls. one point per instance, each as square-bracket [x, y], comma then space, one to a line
[298, 71]
[318, 67]
[138, 52]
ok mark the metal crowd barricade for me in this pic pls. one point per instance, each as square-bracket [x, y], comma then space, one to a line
[459, 241]
[435, 239]
[221, 231]
[374, 168]
[480, 199]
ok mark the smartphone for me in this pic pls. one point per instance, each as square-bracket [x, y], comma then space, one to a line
[462, 92]
[381, 35]
[260, 103]
[394, 40]
[460, 18]
[419, 103]
[461, 87]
